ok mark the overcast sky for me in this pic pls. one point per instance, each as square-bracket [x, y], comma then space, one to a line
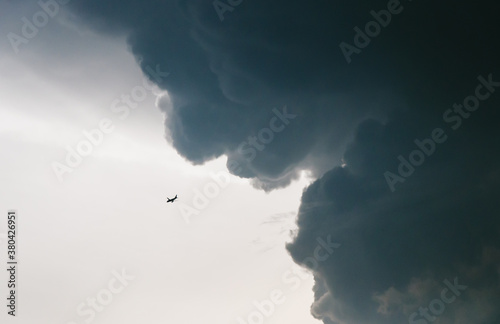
[334, 163]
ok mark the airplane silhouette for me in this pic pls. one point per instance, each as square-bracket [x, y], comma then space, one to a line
[171, 200]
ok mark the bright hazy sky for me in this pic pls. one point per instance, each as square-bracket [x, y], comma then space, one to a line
[110, 212]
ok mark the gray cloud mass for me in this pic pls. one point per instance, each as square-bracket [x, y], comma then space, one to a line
[398, 247]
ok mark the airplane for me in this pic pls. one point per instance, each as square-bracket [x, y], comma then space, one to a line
[171, 200]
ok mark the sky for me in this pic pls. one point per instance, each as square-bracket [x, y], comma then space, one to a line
[334, 162]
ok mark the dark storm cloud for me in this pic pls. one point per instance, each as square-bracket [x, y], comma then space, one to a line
[398, 248]
[441, 223]
[226, 77]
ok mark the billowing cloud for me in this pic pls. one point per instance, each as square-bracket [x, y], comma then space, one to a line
[440, 223]
[227, 76]
[362, 98]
